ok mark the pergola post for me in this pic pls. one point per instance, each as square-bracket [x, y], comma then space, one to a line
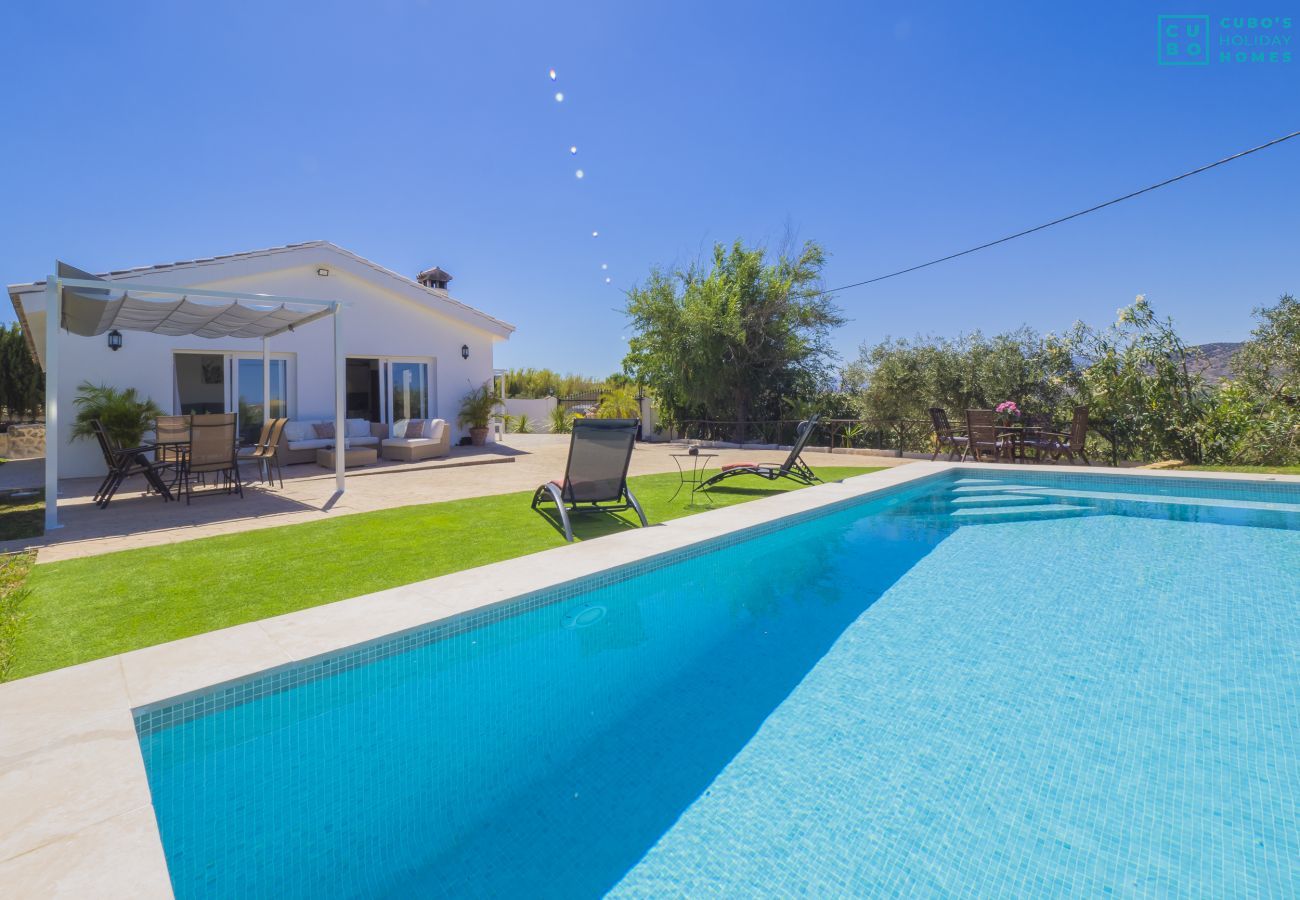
[53, 320]
[340, 396]
[266, 381]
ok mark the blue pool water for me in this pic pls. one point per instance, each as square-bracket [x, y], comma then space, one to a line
[1019, 685]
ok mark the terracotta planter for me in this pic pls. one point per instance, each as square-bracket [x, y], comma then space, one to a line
[478, 436]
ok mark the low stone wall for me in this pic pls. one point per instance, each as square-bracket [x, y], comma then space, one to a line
[23, 442]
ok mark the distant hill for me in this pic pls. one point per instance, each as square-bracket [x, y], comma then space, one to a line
[1218, 359]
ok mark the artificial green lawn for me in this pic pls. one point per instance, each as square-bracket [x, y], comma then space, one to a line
[22, 517]
[83, 609]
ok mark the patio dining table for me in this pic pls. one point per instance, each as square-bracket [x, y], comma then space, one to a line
[1016, 434]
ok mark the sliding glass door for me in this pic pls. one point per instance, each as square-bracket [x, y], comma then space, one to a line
[251, 398]
[229, 382]
[409, 384]
[389, 389]
[200, 383]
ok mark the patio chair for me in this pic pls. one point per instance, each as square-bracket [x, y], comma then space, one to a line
[212, 452]
[982, 436]
[595, 477]
[1074, 442]
[1037, 435]
[793, 467]
[123, 462]
[266, 452]
[945, 437]
[171, 433]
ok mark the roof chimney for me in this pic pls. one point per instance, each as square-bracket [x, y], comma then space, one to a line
[434, 278]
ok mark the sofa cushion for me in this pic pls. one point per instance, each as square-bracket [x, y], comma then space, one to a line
[368, 440]
[313, 444]
[324, 430]
[435, 429]
[415, 429]
[299, 430]
[357, 428]
[408, 442]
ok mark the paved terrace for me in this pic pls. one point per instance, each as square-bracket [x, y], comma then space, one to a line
[520, 464]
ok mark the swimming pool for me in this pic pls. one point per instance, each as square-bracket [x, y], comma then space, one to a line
[1009, 683]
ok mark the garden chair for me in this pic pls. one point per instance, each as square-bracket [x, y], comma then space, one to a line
[171, 443]
[945, 437]
[983, 436]
[1037, 435]
[595, 477]
[266, 451]
[123, 462]
[212, 452]
[1074, 442]
[793, 467]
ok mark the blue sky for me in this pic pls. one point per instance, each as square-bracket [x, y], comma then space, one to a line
[419, 133]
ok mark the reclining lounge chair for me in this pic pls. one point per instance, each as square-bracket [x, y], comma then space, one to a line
[595, 478]
[793, 468]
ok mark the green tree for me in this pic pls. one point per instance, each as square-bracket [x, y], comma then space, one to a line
[532, 384]
[735, 339]
[22, 383]
[1255, 418]
[1142, 385]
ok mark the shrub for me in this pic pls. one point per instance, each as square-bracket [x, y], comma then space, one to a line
[125, 415]
[561, 420]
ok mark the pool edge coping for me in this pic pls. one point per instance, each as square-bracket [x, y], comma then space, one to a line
[81, 817]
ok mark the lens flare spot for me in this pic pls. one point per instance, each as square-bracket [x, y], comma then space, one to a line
[552, 74]
[595, 234]
[609, 281]
[573, 151]
[604, 266]
[559, 96]
[579, 174]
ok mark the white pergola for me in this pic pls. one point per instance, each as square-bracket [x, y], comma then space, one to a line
[82, 304]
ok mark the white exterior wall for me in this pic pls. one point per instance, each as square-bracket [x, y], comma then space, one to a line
[537, 410]
[376, 322]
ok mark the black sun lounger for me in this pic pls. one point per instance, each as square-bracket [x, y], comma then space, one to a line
[595, 478]
[793, 468]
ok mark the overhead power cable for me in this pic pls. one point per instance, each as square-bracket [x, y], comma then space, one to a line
[1082, 212]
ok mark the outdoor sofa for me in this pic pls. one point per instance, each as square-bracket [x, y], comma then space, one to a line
[434, 440]
[299, 441]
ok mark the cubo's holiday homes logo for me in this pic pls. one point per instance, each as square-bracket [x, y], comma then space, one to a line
[1231, 40]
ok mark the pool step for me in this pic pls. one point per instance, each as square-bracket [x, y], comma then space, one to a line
[973, 500]
[990, 486]
[1018, 513]
[977, 481]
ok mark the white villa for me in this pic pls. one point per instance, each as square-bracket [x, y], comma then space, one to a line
[411, 349]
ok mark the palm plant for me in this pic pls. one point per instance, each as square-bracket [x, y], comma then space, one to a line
[619, 403]
[852, 432]
[561, 420]
[476, 411]
[125, 415]
[522, 425]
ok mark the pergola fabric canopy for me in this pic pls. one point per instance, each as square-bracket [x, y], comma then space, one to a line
[90, 311]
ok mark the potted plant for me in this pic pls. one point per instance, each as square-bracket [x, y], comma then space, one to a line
[125, 415]
[476, 411]
[1007, 413]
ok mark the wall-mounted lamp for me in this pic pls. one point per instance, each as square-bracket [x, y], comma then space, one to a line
[464, 351]
[115, 340]
[323, 272]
